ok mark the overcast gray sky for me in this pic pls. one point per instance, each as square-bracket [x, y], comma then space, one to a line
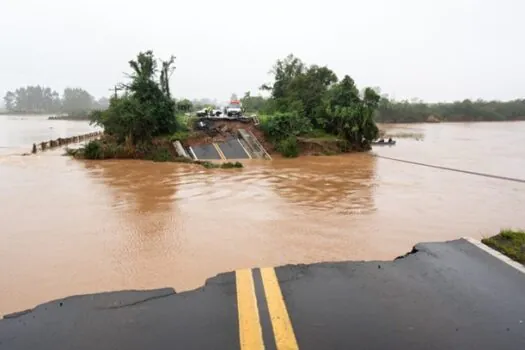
[436, 50]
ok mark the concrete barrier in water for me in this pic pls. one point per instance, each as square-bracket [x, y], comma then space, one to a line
[252, 145]
[44, 145]
[181, 152]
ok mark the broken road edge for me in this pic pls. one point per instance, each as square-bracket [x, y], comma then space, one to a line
[125, 298]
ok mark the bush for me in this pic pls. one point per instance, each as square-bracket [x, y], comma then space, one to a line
[143, 150]
[182, 122]
[71, 151]
[113, 150]
[230, 165]
[207, 165]
[284, 125]
[179, 136]
[93, 150]
[289, 147]
[161, 154]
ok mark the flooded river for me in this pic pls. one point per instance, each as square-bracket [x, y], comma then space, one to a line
[71, 227]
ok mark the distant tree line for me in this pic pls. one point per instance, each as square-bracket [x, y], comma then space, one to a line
[255, 103]
[40, 99]
[415, 111]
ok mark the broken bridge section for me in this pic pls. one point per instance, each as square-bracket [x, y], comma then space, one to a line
[246, 146]
[228, 150]
[205, 152]
[232, 149]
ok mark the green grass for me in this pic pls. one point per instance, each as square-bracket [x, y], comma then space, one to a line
[509, 242]
[179, 136]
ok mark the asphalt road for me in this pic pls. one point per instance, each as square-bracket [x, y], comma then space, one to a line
[206, 152]
[232, 149]
[441, 296]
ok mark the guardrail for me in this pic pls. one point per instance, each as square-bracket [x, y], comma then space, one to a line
[62, 141]
[254, 146]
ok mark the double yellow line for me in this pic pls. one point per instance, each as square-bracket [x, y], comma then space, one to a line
[250, 330]
[219, 151]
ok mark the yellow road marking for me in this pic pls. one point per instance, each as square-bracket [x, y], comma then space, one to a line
[193, 153]
[245, 151]
[281, 324]
[250, 332]
[219, 151]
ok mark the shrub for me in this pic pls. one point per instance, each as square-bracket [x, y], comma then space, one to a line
[93, 150]
[143, 150]
[284, 125]
[161, 154]
[180, 136]
[289, 147]
[182, 122]
[230, 165]
[207, 165]
[71, 151]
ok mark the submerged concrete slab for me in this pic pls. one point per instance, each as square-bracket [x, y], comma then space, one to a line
[206, 152]
[449, 295]
[253, 145]
[232, 149]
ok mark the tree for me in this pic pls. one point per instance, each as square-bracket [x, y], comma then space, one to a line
[10, 101]
[300, 88]
[184, 105]
[101, 104]
[466, 110]
[32, 99]
[75, 100]
[350, 116]
[254, 103]
[313, 92]
[165, 74]
[146, 108]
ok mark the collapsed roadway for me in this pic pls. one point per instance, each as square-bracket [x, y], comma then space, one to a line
[450, 295]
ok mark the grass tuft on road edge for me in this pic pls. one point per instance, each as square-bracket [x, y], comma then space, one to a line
[509, 242]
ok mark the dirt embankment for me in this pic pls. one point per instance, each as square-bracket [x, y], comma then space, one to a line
[319, 146]
[219, 131]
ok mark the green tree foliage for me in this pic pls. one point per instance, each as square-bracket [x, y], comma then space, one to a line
[417, 111]
[351, 116]
[146, 109]
[283, 125]
[289, 147]
[311, 97]
[184, 105]
[93, 150]
[254, 103]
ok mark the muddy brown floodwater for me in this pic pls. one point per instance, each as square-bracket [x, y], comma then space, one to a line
[71, 227]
